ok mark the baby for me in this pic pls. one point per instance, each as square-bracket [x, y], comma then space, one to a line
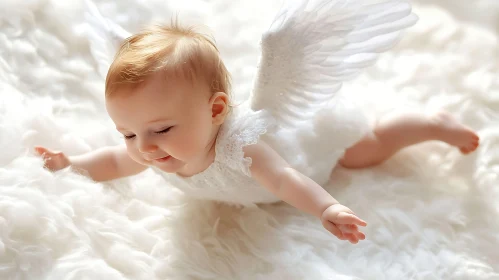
[168, 93]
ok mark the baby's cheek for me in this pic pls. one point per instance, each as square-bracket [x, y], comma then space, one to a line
[186, 147]
[133, 154]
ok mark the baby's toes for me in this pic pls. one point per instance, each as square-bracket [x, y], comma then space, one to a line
[473, 145]
[464, 150]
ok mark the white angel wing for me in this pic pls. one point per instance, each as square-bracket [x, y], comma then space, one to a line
[311, 48]
[104, 35]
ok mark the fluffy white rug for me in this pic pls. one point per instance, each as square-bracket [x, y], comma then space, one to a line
[432, 213]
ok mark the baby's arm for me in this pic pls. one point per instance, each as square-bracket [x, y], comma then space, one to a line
[273, 172]
[103, 164]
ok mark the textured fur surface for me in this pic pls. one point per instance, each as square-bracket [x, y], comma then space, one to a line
[432, 213]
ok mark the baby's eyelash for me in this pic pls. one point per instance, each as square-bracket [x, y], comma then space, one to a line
[164, 130]
[128, 137]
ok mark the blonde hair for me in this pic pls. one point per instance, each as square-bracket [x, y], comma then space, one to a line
[179, 52]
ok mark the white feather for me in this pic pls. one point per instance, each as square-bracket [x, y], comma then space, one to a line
[104, 35]
[311, 48]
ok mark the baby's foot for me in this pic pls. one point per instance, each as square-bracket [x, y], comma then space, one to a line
[449, 130]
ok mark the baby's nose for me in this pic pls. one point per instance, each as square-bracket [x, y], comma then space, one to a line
[147, 148]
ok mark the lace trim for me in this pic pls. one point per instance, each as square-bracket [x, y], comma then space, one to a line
[238, 132]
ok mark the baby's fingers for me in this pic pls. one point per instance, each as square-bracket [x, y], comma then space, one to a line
[45, 153]
[40, 150]
[352, 238]
[349, 228]
[347, 218]
[333, 229]
[352, 230]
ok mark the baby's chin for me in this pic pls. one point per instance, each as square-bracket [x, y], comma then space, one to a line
[171, 165]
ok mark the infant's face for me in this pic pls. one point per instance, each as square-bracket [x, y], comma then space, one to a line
[165, 124]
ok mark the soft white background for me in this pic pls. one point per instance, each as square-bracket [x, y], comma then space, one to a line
[432, 213]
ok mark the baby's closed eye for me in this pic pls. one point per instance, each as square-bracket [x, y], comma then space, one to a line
[164, 130]
[129, 137]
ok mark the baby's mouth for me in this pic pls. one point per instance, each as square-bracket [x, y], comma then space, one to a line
[163, 159]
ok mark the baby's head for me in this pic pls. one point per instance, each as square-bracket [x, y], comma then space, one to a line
[167, 93]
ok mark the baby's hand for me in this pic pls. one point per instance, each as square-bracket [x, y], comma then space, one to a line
[53, 160]
[343, 223]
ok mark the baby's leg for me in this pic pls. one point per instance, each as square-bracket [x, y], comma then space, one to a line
[397, 132]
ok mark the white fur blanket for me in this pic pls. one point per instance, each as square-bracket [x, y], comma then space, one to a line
[432, 212]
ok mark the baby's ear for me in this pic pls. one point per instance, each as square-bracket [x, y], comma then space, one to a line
[219, 107]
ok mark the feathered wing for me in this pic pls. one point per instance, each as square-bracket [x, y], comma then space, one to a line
[312, 47]
[104, 35]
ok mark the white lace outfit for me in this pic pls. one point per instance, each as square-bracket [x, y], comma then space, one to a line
[228, 178]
